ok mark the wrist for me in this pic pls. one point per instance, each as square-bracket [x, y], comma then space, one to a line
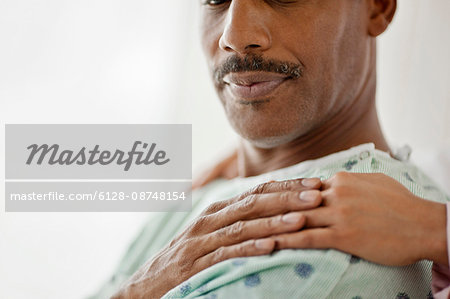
[435, 241]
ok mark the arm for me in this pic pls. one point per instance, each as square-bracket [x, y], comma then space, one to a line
[441, 273]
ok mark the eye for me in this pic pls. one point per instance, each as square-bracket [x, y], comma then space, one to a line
[214, 2]
[284, 2]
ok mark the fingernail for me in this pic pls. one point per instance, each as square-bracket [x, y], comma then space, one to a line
[309, 195]
[264, 244]
[310, 182]
[291, 218]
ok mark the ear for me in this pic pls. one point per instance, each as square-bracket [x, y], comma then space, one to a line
[381, 13]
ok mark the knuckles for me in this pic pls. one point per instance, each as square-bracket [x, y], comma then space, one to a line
[284, 198]
[199, 225]
[214, 207]
[341, 178]
[340, 191]
[248, 204]
[241, 250]
[219, 255]
[234, 232]
[284, 185]
[183, 257]
[269, 223]
[183, 268]
[261, 188]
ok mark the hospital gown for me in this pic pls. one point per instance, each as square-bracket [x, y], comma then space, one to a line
[291, 273]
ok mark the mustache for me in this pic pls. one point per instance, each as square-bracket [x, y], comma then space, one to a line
[255, 62]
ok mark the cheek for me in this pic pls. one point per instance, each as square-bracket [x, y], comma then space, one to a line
[326, 46]
[208, 44]
[314, 46]
[211, 29]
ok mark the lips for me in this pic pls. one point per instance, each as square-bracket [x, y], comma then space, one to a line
[253, 85]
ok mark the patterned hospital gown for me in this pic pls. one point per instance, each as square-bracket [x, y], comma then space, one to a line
[291, 273]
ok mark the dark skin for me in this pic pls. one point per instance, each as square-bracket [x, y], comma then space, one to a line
[312, 93]
[332, 106]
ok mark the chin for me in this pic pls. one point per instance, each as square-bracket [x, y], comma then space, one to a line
[267, 140]
[271, 123]
[270, 142]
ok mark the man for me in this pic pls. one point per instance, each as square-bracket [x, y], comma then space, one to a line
[297, 80]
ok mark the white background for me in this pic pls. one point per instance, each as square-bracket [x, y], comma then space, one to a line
[139, 61]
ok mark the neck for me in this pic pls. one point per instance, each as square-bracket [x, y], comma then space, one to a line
[355, 124]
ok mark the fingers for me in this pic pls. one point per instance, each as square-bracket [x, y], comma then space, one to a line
[346, 179]
[265, 205]
[245, 249]
[319, 238]
[253, 229]
[353, 179]
[287, 185]
[319, 217]
[297, 185]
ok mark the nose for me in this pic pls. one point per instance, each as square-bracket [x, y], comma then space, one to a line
[246, 28]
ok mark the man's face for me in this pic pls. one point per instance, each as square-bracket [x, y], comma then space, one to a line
[283, 68]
